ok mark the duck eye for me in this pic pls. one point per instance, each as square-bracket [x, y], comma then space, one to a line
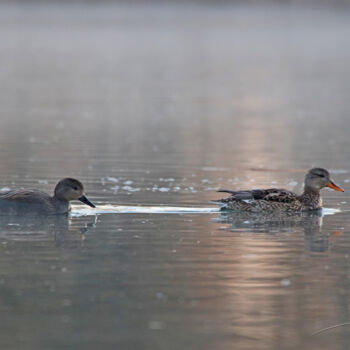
[75, 188]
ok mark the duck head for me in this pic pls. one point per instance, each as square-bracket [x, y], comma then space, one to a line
[70, 189]
[318, 178]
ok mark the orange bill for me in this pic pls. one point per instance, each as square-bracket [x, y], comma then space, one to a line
[334, 186]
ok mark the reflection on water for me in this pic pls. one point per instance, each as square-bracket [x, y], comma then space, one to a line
[316, 238]
[188, 280]
[55, 228]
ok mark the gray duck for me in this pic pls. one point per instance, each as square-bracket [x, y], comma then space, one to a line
[33, 201]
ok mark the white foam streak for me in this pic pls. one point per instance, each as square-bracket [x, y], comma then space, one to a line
[82, 210]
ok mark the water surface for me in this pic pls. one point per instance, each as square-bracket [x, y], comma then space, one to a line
[157, 107]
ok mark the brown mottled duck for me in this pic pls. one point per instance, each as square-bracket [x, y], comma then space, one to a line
[274, 199]
[33, 201]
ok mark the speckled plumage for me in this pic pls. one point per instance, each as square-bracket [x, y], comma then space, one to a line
[274, 199]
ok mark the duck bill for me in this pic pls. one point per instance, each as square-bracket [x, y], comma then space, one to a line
[86, 201]
[333, 186]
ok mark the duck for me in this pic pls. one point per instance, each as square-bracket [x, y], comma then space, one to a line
[34, 201]
[274, 199]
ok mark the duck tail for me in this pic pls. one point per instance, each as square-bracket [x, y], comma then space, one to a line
[227, 191]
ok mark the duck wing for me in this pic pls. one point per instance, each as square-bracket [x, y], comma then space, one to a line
[271, 194]
[25, 196]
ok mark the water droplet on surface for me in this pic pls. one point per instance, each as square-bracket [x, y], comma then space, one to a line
[285, 282]
[156, 325]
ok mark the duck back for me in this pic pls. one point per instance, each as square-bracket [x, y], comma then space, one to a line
[30, 201]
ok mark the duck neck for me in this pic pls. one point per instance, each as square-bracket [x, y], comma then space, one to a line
[311, 198]
[61, 205]
[311, 191]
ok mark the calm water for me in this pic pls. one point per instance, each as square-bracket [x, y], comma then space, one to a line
[160, 106]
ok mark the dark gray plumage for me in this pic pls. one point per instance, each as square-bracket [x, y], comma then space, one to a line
[33, 201]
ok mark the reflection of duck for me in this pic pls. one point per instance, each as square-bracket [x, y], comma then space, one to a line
[275, 223]
[30, 201]
[273, 199]
[44, 228]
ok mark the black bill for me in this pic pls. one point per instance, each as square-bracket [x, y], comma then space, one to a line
[86, 201]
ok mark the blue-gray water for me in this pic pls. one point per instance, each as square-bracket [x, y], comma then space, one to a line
[159, 106]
